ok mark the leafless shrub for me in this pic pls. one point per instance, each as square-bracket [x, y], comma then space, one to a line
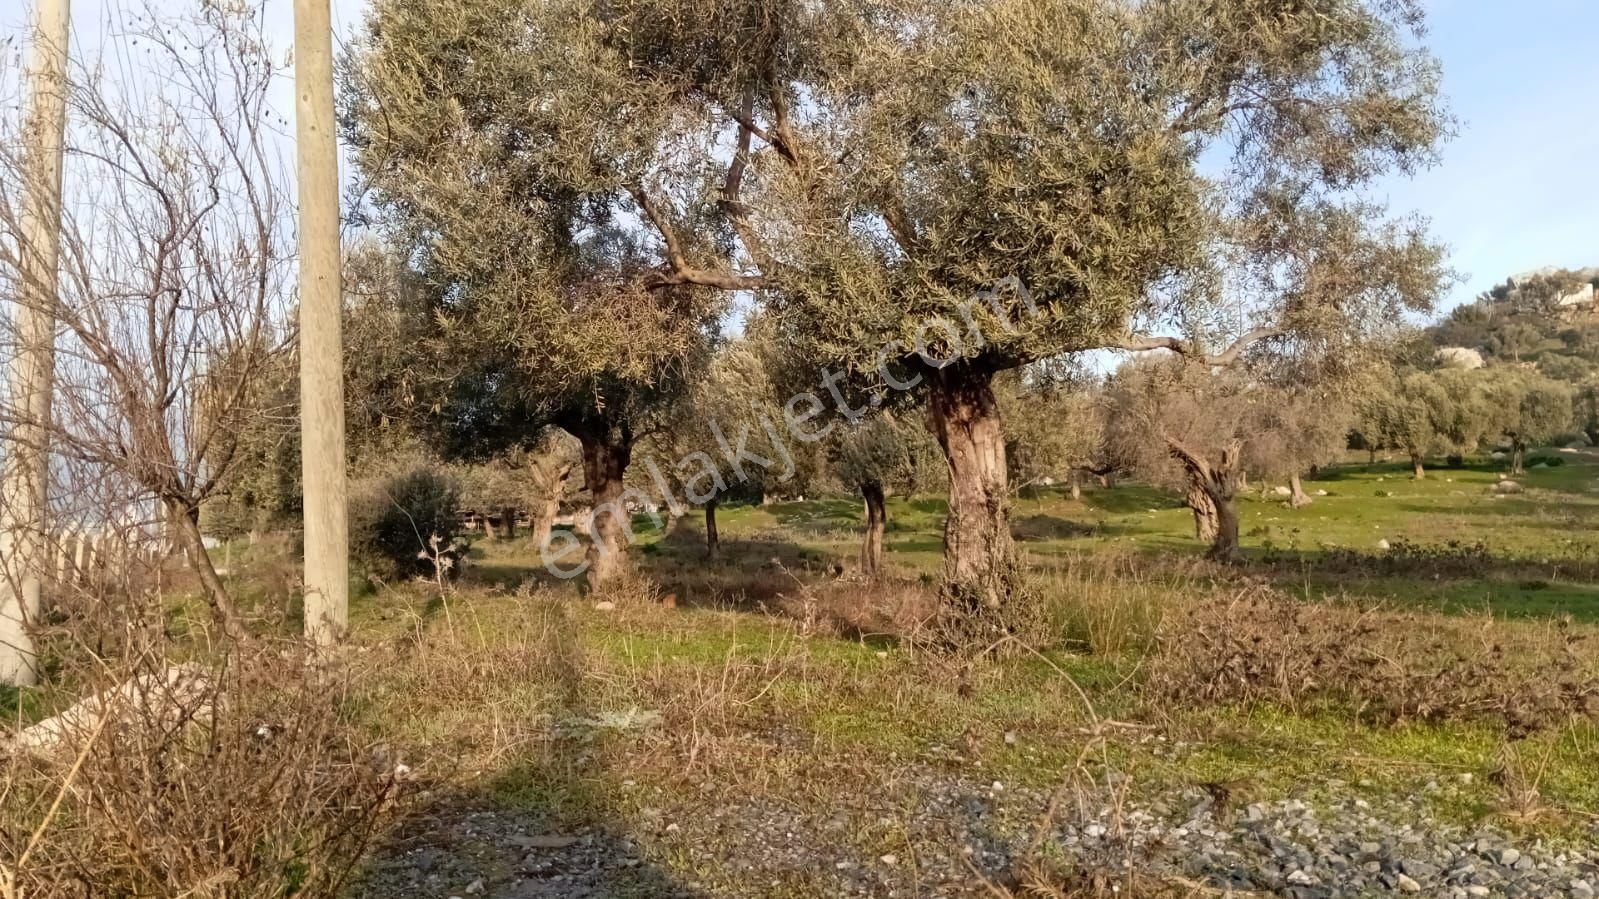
[175, 276]
[1258, 645]
[630, 587]
[881, 609]
[241, 778]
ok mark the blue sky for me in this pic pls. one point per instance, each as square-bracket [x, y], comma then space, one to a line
[1517, 189]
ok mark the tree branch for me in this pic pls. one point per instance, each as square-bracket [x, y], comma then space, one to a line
[1186, 348]
[677, 270]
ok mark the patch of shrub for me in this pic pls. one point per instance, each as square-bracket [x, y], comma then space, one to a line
[1546, 461]
[240, 780]
[1258, 645]
[399, 523]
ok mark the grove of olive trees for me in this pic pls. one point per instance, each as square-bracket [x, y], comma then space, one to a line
[563, 169]
[800, 448]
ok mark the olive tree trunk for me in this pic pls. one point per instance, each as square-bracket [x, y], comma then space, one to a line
[544, 515]
[1418, 466]
[607, 451]
[24, 482]
[1219, 482]
[1297, 497]
[876, 522]
[549, 483]
[980, 570]
[713, 537]
[322, 451]
[1204, 509]
[1518, 455]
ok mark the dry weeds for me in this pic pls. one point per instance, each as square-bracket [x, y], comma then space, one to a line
[1254, 644]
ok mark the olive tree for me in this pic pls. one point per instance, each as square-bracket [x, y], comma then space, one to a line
[1525, 408]
[722, 439]
[950, 192]
[1297, 431]
[1586, 403]
[1054, 429]
[1182, 425]
[934, 192]
[880, 456]
[1178, 426]
[555, 193]
[1426, 413]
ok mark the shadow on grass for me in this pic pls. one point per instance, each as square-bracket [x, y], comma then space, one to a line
[543, 826]
[1510, 507]
[1129, 499]
[747, 572]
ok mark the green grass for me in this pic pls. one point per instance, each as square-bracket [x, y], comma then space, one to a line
[1532, 555]
[494, 691]
[752, 699]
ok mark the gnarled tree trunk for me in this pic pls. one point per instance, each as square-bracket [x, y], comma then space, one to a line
[549, 480]
[980, 570]
[1225, 547]
[1297, 496]
[713, 537]
[1518, 455]
[1219, 483]
[544, 514]
[1204, 509]
[607, 451]
[508, 523]
[876, 521]
[1417, 464]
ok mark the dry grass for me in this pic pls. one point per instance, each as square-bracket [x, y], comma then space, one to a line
[1254, 644]
[248, 782]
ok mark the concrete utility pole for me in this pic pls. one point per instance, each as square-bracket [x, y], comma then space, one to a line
[327, 557]
[24, 484]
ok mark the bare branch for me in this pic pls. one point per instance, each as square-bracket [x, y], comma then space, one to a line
[1186, 348]
[678, 271]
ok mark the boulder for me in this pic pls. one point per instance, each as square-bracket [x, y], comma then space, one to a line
[1459, 357]
[1508, 488]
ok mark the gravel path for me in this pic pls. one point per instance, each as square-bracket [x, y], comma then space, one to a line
[930, 831]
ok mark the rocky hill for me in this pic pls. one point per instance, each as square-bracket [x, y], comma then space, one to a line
[1547, 318]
